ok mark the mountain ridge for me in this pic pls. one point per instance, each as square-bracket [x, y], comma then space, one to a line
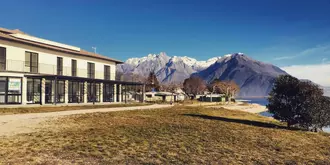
[255, 78]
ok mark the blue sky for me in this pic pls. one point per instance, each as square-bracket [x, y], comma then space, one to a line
[282, 32]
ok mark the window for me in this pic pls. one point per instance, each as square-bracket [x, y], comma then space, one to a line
[74, 68]
[33, 94]
[106, 72]
[31, 62]
[2, 59]
[59, 66]
[90, 70]
[10, 90]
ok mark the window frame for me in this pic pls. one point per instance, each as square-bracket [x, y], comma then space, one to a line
[32, 62]
[59, 66]
[107, 71]
[3, 59]
[91, 70]
[73, 67]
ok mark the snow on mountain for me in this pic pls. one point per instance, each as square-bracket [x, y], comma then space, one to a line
[167, 68]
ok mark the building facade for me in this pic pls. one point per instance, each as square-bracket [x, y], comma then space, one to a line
[39, 71]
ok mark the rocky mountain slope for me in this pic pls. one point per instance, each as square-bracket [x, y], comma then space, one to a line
[255, 78]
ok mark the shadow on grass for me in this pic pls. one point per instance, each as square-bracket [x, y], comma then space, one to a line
[240, 121]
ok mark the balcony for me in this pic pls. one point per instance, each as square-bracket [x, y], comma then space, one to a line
[21, 66]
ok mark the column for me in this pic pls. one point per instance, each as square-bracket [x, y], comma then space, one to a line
[24, 90]
[119, 93]
[43, 91]
[143, 93]
[101, 92]
[85, 92]
[114, 93]
[66, 91]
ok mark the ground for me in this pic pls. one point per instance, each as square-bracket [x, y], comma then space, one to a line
[176, 135]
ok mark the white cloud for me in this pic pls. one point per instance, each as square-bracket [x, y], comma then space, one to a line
[320, 49]
[319, 73]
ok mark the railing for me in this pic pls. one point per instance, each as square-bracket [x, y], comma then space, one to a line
[22, 66]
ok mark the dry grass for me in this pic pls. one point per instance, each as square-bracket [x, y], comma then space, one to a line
[179, 135]
[9, 111]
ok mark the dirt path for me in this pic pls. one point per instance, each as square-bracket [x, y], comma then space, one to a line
[27, 123]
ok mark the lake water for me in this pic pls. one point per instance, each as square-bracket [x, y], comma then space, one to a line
[264, 101]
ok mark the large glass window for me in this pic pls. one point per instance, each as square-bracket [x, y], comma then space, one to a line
[59, 66]
[106, 72]
[31, 62]
[2, 59]
[60, 91]
[93, 92]
[33, 95]
[49, 91]
[90, 70]
[73, 67]
[108, 92]
[3, 88]
[10, 90]
[76, 92]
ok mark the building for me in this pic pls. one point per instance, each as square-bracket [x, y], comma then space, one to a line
[39, 71]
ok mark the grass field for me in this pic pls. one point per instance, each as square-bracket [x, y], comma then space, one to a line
[178, 135]
[9, 111]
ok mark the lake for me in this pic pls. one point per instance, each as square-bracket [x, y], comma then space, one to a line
[264, 101]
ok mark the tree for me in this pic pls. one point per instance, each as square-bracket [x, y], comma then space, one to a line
[193, 86]
[229, 88]
[298, 102]
[152, 82]
[283, 100]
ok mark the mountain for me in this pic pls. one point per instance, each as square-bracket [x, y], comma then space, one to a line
[167, 69]
[255, 78]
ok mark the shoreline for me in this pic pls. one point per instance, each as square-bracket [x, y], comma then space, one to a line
[241, 105]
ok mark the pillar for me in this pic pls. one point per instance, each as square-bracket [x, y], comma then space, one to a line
[24, 90]
[66, 91]
[101, 92]
[43, 91]
[114, 93]
[144, 93]
[119, 93]
[85, 92]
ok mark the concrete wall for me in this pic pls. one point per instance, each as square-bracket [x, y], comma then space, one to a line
[15, 54]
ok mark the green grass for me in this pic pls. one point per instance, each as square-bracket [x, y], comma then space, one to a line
[21, 110]
[178, 135]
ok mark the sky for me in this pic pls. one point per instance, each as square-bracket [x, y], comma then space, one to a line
[294, 35]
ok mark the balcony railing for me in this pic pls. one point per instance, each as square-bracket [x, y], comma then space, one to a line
[21, 66]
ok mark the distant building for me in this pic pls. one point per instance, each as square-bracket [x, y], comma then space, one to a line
[39, 71]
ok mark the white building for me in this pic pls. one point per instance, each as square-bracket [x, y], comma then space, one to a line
[39, 71]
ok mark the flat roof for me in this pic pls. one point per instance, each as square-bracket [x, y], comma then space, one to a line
[9, 35]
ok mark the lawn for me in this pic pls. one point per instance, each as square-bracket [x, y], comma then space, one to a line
[178, 135]
[20, 110]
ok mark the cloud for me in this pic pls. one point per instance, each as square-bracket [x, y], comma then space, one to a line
[325, 61]
[320, 49]
[319, 73]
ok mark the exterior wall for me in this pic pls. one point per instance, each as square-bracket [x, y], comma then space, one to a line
[15, 54]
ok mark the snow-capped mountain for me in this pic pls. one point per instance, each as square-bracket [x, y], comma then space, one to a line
[167, 69]
[255, 78]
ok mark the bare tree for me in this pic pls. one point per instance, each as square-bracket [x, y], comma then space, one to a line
[193, 86]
